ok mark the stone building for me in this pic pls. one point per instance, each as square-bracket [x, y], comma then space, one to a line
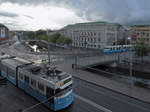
[138, 32]
[94, 35]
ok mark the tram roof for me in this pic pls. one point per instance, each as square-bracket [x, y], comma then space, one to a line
[40, 72]
[16, 61]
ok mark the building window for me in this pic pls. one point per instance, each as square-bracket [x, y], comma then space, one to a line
[99, 34]
[147, 34]
[99, 39]
[91, 34]
[94, 39]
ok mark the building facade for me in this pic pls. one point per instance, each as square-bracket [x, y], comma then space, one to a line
[4, 32]
[139, 32]
[94, 35]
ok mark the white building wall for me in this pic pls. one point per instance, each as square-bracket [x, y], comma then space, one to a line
[92, 35]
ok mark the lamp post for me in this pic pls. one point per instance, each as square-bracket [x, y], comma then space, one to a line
[131, 63]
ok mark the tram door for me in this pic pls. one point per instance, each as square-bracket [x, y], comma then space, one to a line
[26, 83]
[50, 94]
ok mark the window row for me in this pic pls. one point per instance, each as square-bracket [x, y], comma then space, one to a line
[146, 39]
[87, 34]
[31, 81]
[9, 71]
[87, 39]
[88, 46]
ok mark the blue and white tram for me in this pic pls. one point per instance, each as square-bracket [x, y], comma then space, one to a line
[118, 48]
[55, 88]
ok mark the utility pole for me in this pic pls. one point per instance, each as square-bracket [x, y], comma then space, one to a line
[131, 67]
[131, 64]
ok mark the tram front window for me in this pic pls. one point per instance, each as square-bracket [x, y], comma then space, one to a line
[60, 92]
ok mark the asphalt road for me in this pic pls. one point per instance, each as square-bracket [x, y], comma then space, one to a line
[12, 99]
[88, 98]
[109, 99]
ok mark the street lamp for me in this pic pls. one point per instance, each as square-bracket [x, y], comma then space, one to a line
[131, 63]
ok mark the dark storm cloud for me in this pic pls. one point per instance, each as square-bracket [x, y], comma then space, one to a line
[123, 11]
[8, 14]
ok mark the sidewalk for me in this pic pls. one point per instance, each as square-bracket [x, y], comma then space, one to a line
[131, 91]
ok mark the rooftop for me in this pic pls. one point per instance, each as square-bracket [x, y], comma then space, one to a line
[95, 23]
[141, 25]
[2, 25]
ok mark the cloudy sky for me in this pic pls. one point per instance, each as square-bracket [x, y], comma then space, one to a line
[55, 14]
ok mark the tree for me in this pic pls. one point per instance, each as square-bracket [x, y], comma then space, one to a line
[41, 32]
[54, 37]
[64, 40]
[68, 41]
[42, 37]
[61, 40]
[31, 35]
[141, 48]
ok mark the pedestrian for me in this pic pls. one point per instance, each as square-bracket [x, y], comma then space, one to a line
[72, 66]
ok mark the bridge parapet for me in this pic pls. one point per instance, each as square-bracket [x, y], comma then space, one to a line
[92, 61]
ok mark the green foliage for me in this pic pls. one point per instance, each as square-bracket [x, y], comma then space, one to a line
[31, 34]
[41, 32]
[42, 37]
[142, 48]
[61, 40]
[68, 41]
[54, 37]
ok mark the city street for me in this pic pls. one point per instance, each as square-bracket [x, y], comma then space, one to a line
[87, 98]
[74, 56]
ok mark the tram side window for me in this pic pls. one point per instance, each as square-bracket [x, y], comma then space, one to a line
[11, 72]
[26, 79]
[20, 76]
[33, 83]
[41, 86]
[49, 92]
[3, 68]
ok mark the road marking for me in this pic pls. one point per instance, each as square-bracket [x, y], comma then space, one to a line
[92, 103]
